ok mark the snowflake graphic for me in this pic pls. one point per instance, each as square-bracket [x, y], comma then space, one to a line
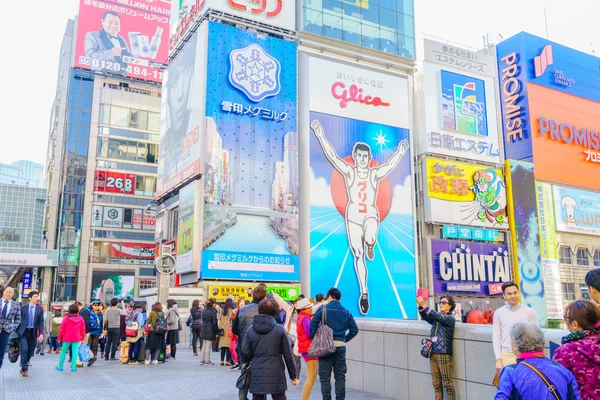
[255, 73]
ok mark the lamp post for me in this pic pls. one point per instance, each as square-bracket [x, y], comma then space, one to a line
[165, 266]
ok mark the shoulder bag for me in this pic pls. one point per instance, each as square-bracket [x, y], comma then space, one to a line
[243, 382]
[427, 343]
[551, 388]
[322, 344]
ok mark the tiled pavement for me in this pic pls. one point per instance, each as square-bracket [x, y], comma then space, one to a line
[182, 379]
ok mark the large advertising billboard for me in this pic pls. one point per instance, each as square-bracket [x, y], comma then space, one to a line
[361, 193]
[467, 268]
[185, 229]
[250, 158]
[182, 122]
[458, 103]
[524, 228]
[114, 182]
[459, 193]
[577, 211]
[129, 39]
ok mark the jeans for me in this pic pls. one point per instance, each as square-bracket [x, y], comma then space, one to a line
[54, 343]
[112, 342]
[206, 349]
[225, 355]
[74, 347]
[27, 343]
[233, 350]
[134, 350]
[93, 342]
[279, 396]
[336, 362]
[3, 345]
[195, 338]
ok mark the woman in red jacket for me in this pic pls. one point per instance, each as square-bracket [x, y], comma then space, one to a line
[304, 308]
[72, 332]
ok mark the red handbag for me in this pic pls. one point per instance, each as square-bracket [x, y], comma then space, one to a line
[230, 334]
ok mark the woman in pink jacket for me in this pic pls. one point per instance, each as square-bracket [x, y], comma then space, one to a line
[72, 332]
[580, 350]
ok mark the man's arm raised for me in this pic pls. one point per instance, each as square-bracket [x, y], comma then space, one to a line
[328, 149]
[384, 169]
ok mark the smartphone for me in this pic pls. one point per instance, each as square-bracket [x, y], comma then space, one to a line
[424, 293]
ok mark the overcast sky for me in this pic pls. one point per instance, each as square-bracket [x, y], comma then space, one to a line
[32, 37]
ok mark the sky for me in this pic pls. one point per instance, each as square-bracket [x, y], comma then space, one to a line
[30, 58]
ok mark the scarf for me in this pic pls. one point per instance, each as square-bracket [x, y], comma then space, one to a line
[532, 354]
[577, 335]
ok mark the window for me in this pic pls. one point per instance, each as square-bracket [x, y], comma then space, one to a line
[127, 150]
[583, 257]
[568, 291]
[597, 258]
[565, 255]
[119, 116]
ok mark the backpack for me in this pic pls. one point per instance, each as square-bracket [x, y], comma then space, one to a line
[160, 325]
[93, 321]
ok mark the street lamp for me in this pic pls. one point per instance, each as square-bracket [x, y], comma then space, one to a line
[165, 266]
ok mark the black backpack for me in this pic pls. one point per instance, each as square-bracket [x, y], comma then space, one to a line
[160, 325]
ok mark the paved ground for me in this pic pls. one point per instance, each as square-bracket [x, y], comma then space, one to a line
[181, 379]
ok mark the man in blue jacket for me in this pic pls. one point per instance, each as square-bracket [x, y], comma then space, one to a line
[30, 330]
[344, 329]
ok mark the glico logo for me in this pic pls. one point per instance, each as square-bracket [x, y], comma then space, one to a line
[261, 7]
[543, 61]
[354, 94]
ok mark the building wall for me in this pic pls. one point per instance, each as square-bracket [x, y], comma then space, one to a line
[23, 172]
[21, 216]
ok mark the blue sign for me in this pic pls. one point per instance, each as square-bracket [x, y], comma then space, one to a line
[450, 232]
[464, 233]
[251, 196]
[478, 234]
[491, 235]
[463, 104]
[26, 285]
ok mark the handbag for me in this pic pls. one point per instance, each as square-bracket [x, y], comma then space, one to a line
[427, 344]
[550, 385]
[13, 353]
[179, 327]
[322, 344]
[132, 329]
[189, 321]
[243, 381]
[221, 332]
[230, 334]
[84, 352]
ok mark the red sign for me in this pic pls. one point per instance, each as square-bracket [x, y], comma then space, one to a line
[354, 94]
[128, 40]
[149, 221]
[114, 182]
[495, 288]
[185, 23]
[132, 250]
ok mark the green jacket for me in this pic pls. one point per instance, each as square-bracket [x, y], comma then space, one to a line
[152, 318]
[55, 326]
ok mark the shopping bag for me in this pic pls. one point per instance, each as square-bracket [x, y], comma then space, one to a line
[322, 344]
[124, 353]
[84, 352]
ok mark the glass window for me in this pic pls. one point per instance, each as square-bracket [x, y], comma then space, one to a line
[406, 25]
[139, 185]
[149, 186]
[154, 122]
[119, 116]
[131, 151]
[142, 152]
[568, 291]
[143, 120]
[117, 148]
[597, 258]
[174, 222]
[152, 156]
[583, 257]
[104, 113]
[565, 255]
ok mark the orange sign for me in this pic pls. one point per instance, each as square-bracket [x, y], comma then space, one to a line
[564, 137]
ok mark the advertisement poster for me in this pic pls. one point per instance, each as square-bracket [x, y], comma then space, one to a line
[132, 253]
[222, 292]
[525, 236]
[467, 268]
[113, 217]
[137, 219]
[109, 284]
[549, 251]
[361, 207]
[466, 194]
[185, 230]
[114, 182]
[577, 211]
[182, 114]
[251, 158]
[12, 235]
[127, 40]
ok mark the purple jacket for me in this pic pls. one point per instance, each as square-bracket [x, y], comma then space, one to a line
[582, 358]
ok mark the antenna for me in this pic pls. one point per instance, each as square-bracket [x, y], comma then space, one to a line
[546, 22]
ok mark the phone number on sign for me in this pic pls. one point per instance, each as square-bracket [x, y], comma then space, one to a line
[118, 68]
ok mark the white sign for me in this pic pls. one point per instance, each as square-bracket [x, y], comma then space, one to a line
[553, 293]
[97, 216]
[137, 219]
[472, 62]
[113, 217]
[29, 260]
[362, 94]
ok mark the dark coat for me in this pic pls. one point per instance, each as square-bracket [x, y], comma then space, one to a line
[442, 327]
[38, 320]
[196, 315]
[209, 324]
[266, 342]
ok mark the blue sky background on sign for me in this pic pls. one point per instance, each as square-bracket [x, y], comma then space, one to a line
[332, 264]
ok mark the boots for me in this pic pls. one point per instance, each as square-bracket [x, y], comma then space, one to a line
[50, 350]
[58, 351]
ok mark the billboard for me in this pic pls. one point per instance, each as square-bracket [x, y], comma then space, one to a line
[458, 103]
[276, 13]
[181, 125]
[113, 217]
[549, 251]
[222, 292]
[466, 194]
[361, 193]
[109, 284]
[129, 40]
[577, 211]
[251, 158]
[467, 268]
[524, 230]
[185, 230]
[12, 235]
[114, 182]
[132, 251]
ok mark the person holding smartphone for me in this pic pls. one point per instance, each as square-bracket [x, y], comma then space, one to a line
[112, 325]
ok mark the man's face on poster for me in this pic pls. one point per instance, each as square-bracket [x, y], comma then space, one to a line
[111, 24]
[362, 158]
[180, 80]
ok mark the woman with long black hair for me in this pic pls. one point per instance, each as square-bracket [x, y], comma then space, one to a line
[224, 326]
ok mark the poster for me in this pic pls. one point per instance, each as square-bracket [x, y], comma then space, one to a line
[114, 182]
[466, 194]
[109, 284]
[113, 217]
[222, 292]
[251, 158]
[525, 236]
[130, 41]
[185, 230]
[577, 211]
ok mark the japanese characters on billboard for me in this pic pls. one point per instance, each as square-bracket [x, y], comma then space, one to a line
[524, 228]
[113, 217]
[129, 40]
[185, 230]
[458, 193]
[132, 250]
[183, 102]
[222, 292]
[458, 103]
[277, 13]
[478, 269]
[118, 217]
[251, 158]
[361, 192]
[114, 182]
[577, 211]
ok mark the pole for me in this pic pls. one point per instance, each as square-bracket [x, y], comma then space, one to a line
[546, 22]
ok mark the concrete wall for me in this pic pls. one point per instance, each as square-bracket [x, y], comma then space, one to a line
[385, 359]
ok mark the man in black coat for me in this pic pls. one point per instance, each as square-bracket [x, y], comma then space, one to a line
[265, 344]
[30, 330]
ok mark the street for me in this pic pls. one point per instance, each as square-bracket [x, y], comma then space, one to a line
[183, 378]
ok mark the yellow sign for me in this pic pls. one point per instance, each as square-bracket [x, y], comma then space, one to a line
[222, 292]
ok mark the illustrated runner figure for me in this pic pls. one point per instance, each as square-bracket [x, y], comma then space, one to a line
[362, 216]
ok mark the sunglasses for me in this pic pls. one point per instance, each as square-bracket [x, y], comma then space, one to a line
[444, 302]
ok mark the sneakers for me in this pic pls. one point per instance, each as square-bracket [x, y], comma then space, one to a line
[227, 364]
[134, 362]
[370, 253]
[147, 362]
[155, 362]
[222, 363]
[58, 368]
[42, 353]
[75, 370]
[235, 366]
[91, 361]
[363, 304]
[210, 363]
[202, 362]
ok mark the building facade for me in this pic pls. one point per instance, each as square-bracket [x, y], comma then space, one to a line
[22, 172]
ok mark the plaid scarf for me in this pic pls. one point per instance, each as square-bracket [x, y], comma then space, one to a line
[577, 335]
